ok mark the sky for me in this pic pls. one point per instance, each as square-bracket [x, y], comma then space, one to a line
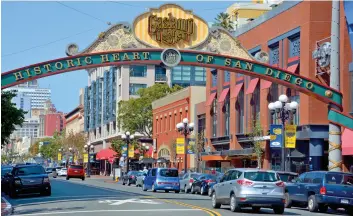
[33, 32]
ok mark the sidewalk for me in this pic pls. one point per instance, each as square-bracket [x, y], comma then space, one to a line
[6, 208]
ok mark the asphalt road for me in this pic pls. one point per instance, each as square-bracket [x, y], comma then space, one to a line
[96, 197]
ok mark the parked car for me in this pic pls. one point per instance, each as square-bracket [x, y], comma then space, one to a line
[319, 190]
[287, 177]
[75, 171]
[139, 179]
[4, 179]
[166, 179]
[62, 172]
[130, 177]
[49, 170]
[187, 180]
[211, 184]
[28, 179]
[254, 188]
[201, 183]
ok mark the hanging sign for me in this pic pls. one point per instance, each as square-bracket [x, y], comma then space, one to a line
[290, 136]
[85, 158]
[131, 151]
[276, 137]
[191, 146]
[59, 156]
[124, 151]
[180, 146]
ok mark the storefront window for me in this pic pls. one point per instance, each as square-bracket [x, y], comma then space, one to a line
[226, 115]
[239, 106]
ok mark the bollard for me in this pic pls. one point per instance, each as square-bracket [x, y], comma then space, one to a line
[117, 179]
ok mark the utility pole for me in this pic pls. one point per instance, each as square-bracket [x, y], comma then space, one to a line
[335, 151]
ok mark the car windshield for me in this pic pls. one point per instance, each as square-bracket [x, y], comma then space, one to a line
[212, 177]
[64, 169]
[337, 178]
[168, 173]
[261, 176]
[133, 173]
[287, 177]
[194, 175]
[5, 170]
[76, 167]
[30, 170]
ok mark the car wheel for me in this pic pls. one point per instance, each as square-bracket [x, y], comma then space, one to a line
[83, 178]
[278, 209]
[123, 182]
[333, 207]
[202, 190]
[67, 178]
[46, 193]
[153, 189]
[349, 210]
[128, 182]
[143, 187]
[288, 202]
[256, 209]
[193, 190]
[12, 194]
[312, 204]
[234, 206]
[215, 203]
[167, 191]
[323, 208]
[178, 191]
[210, 192]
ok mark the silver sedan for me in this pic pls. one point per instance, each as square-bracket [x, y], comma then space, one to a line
[140, 178]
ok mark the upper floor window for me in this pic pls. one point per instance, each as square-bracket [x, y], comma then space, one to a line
[294, 45]
[214, 77]
[200, 74]
[160, 73]
[239, 106]
[181, 73]
[274, 54]
[226, 76]
[256, 104]
[138, 70]
[226, 115]
[134, 87]
[273, 97]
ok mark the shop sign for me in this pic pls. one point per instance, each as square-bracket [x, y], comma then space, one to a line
[180, 142]
[59, 156]
[290, 136]
[85, 158]
[276, 137]
[124, 151]
[131, 151]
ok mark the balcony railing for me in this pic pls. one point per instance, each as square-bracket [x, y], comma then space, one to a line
[160, 78]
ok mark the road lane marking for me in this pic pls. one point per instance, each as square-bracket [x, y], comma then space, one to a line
[64, 197]
[120, 202]
[102, 211]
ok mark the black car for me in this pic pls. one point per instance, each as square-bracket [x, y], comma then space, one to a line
[4, 180]
[287, 177]
[28, 179]
[130, 177]
[202, 182]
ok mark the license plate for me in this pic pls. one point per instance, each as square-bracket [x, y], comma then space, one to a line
[344, 201]
[168, 187]
[76, 171]
[265, 191]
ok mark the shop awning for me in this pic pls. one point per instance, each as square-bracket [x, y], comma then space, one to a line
[347, 144]
[237, 90]
[223, 95]
[105, 154]
[264, 84]
[211, 98]
[252, 86]
[293, 68]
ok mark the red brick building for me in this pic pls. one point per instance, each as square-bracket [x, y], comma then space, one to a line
[289, 34]
[167, 112]
[53, 122]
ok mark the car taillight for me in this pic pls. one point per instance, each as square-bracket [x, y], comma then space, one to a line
[191, 180]
[209, 181]
[322, 190]
[280, 184]
[132, 176]
[245, 183]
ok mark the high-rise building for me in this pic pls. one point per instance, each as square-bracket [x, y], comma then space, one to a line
[53, 122]
[29, 128]
[23, 102]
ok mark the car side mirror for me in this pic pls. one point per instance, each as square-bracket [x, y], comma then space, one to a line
[221, 180]
[294, 181]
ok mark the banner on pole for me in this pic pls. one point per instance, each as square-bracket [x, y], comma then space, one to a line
[59, 157]
[276, 136]
[290, 136]
[124, 151]
[85, 158]
[191, 147]
[180, 146]
[131, 151]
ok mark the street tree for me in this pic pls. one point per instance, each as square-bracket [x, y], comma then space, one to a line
[34, 149]
[200, 147]
[11, 116]
[77, 141]
[258, 143]
[135, 114]
[223, 20]
[118, 144]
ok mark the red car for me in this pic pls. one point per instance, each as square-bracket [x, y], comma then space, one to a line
[75, 171]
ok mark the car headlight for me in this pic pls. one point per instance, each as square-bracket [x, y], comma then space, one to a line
[18, 182]
[46, 180]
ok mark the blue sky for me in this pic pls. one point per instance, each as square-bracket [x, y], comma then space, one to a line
[31, 24]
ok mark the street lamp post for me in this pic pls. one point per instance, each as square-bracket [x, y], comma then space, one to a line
[185, 128]
[283, 111]
[89, 148]
[127, 137]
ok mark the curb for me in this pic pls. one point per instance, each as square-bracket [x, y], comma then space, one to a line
[8, 209]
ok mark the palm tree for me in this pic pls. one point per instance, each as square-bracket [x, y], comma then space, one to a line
[223, 20]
